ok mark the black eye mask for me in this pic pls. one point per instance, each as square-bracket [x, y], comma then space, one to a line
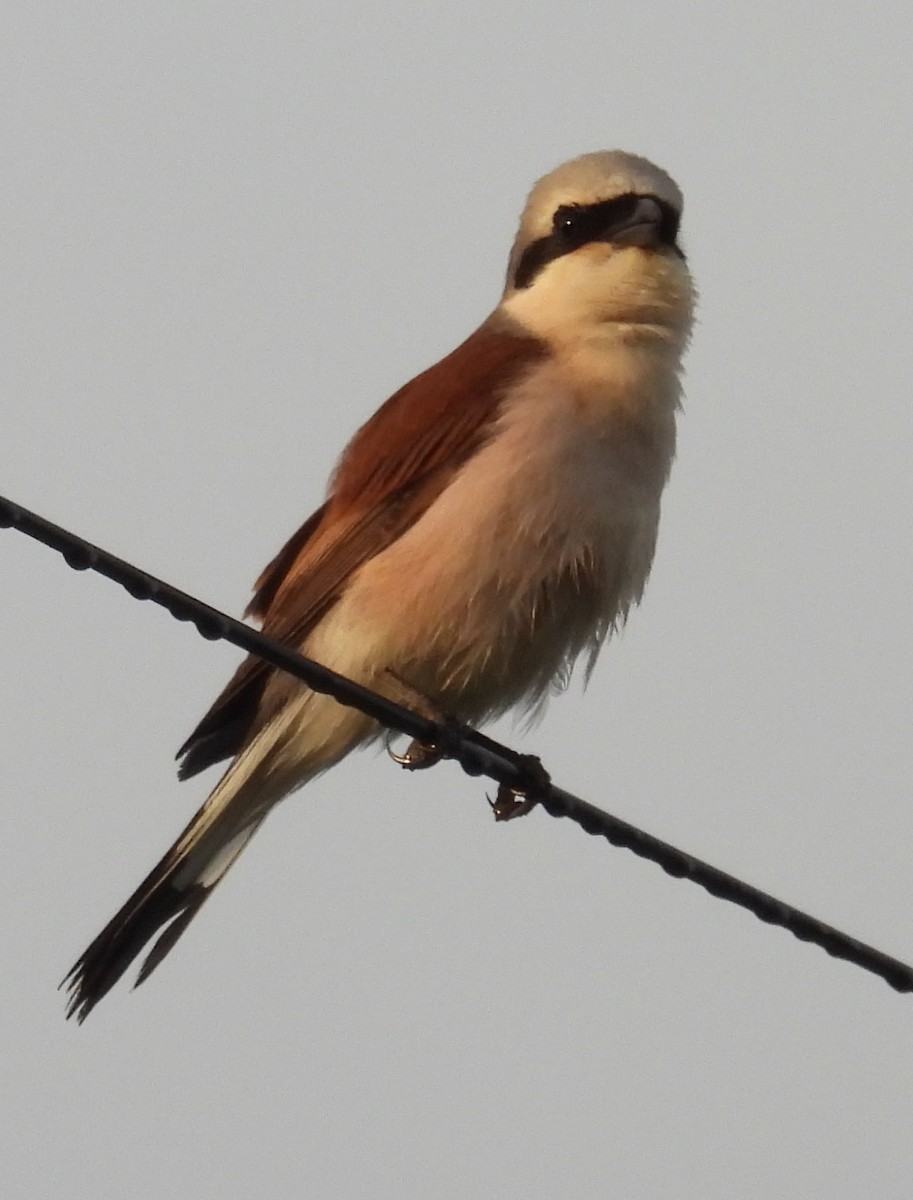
[620, 220]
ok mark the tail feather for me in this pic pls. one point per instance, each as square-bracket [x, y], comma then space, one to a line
[163, 901]
[309, 734]
[167, 940]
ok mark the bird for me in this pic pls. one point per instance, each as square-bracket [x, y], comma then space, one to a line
[492, 523]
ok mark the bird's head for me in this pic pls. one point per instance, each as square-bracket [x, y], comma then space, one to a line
[597, 247]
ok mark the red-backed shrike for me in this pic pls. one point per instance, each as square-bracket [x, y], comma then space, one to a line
[491, 522]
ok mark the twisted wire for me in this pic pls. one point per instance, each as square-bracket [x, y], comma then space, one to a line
[476, 753]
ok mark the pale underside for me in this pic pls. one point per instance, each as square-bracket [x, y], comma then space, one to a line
[528, 559]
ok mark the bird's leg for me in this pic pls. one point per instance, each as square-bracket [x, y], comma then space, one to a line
[419, 755]
[512, 802]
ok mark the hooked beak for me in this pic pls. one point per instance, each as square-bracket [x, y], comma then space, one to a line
[643, 226]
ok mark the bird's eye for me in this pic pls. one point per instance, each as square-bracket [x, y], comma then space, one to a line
[568, 220]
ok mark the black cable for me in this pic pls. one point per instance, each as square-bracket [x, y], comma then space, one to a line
[476, 753]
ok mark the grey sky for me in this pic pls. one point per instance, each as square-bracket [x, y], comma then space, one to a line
[229, 232]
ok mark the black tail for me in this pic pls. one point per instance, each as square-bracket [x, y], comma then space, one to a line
[157, 902]
[168, 899]
[174, 891]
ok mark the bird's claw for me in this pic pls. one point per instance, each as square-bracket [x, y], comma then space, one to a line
[511, 802]
[418, 755]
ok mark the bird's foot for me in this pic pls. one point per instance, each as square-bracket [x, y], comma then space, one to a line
[418, 755]
[511, 802]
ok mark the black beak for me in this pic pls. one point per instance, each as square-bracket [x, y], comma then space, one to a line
[642, 226]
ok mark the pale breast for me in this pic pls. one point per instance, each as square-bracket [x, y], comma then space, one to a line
[541, 542]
